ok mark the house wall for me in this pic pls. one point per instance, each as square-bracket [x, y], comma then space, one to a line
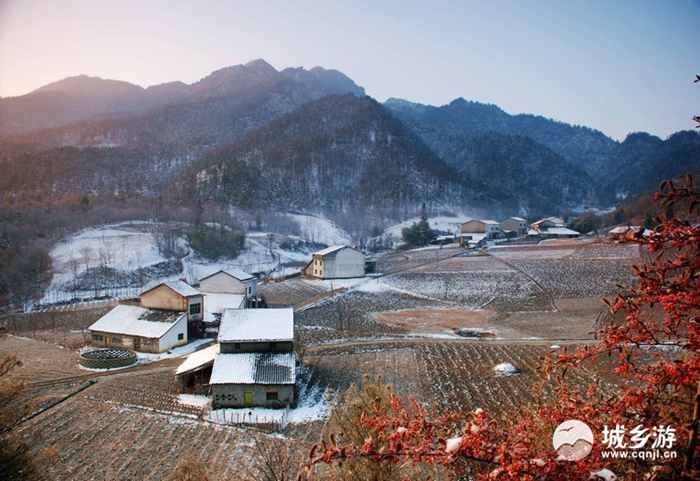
[225, 284]
[162, 297]
[473, 226]
[315, 268]
[343, 264]
[232, 395]
[195, 316]
[236, 347]
[106, 339]
[515, 225]
[176, 335]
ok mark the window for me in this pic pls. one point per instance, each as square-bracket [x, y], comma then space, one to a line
[249, 290]
[237, 346]
[273, 346]
[180, 336]
[97, 337]
[271, 396]
[195, 308]
[116, 340]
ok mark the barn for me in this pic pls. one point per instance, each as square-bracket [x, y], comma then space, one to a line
[140, 329]
[256, 364]
[336, 262]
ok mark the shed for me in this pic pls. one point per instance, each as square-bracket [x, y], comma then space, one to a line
[140, 329]
[336, 262]
[194, 373]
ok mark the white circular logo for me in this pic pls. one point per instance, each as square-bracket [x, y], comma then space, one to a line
[573, 440]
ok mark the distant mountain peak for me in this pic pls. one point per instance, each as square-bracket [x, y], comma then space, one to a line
[260, 65]
[85, 84]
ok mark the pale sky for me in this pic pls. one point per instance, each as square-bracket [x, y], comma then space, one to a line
[618, 66]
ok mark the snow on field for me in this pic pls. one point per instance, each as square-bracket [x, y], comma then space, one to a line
[194, 400]
[319, 229]
[506, 369]
[129, 246]
[124, 247]
[449, 224]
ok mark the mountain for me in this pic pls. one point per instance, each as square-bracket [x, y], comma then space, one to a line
[646, 160]
[338, 154]
[584, 148]
[85, 110]
[257, 137]
[531, 175]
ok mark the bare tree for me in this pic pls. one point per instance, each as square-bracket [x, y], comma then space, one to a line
[274, 460]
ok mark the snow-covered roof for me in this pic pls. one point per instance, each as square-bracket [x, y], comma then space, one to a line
[181, 287]
[519, 219]
[489, 221]
[254, 368]
[329, 250]
[215, 303]
[233, 272]
[560, 231]
[251, 325]
[137, 321]
[198, 359]
[622, 229]
[554, 220]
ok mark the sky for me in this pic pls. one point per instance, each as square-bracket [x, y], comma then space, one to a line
[618, 66]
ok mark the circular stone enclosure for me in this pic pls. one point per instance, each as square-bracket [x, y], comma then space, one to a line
[107, 358]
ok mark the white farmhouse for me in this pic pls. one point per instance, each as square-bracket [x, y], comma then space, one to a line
[140, 329]
[336, 262]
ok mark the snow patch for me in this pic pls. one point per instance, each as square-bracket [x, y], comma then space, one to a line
[506, 369]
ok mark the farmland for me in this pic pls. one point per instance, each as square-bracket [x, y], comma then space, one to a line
[405, 326]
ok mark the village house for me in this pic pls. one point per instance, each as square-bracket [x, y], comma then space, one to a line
[336, 262]
[551, 228]
[177, 296]
[624, 232]
[229, 281]
[474, 231]
[256, 364]
[514, 226]
[226, 289]
[140, 329]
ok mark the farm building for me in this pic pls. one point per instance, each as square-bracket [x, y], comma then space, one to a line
[623, 232]
[175, 296]
[547, 223]
[336, 262]
[475, 230]
[256, 364]
[551, 228]
[140, 329]
[515, 225]
[229, 281]
[193, 374]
